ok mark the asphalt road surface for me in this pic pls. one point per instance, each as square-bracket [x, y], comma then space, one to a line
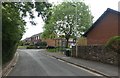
[35, 63]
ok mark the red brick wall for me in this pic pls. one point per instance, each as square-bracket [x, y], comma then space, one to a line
[106, 29]
[50, 42]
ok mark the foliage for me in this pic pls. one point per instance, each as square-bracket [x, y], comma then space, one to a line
[38, 45]
[41, 44]
[22, 47]
[68, 19]
[114, 44]
[43, 9]
[51, 50]
[13, 24]
[21, 43]
[31, 47]
[13, 29]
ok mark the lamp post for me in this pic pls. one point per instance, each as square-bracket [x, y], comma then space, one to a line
[76, 28]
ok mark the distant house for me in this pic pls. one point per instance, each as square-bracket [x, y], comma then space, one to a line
[104, 28]
[58, 42]
[54, 42]
[50, 42]
[36, 38]
[33, 39]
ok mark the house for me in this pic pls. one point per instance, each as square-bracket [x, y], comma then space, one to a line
[54, 42]
[58, 42]
[104, 28]
[36, 38]
[33, 39]
[50, 42]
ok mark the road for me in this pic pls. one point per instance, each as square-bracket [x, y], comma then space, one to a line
[36, 63]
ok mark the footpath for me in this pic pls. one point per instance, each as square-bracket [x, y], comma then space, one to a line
[8, 67]
[104, 69]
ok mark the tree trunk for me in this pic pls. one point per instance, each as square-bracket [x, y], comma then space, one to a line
[67, 36]
[67, 41]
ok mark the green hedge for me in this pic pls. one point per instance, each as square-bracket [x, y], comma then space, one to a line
[31, 47]
[42, 44]
[12, 30]
[114, 44]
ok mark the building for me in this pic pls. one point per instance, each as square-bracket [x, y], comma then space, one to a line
[58, 42]
[104, 28]
[36, 38]
[50, 42]
[33, 39]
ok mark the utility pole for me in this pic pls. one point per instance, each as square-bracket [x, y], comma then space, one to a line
[76, 28]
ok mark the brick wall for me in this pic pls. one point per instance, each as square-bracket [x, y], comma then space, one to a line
[96, 53]
[106, 29]
[50, 42]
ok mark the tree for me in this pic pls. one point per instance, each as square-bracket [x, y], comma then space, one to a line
[70, 19]
[13, 24]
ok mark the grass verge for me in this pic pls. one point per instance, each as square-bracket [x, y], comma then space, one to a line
[22, 47]
[51, 50]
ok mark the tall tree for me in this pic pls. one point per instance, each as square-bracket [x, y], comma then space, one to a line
[13, 24]
[70, 19]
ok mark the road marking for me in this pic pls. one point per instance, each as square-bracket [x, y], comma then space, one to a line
[17, 55]
[8, 72]
[96, 74]
[61, 60]
[85, 69]
[50, 56]
[78, 67]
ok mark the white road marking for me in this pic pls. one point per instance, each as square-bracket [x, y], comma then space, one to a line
[17, 55]
[8, 72]
[77, 67]
[61, 60]
[52, 57]
[85, 70]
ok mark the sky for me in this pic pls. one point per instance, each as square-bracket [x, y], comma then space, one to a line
[97, 8]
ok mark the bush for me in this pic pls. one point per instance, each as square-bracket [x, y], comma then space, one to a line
[41, 45]
[31, 47]
[114, 44]
[51, 50]
[27, 43]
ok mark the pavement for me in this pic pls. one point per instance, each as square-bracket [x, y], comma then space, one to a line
[104, 69]
[8, 67]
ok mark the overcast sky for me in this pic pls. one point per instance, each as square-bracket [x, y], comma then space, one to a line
[97, 8]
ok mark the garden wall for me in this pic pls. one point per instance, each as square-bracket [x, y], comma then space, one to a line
[96, 53]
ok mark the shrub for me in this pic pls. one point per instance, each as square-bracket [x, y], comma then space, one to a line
[41, 45]
[31, 47]
[27, 43]
[20, 43]
[114, 44]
